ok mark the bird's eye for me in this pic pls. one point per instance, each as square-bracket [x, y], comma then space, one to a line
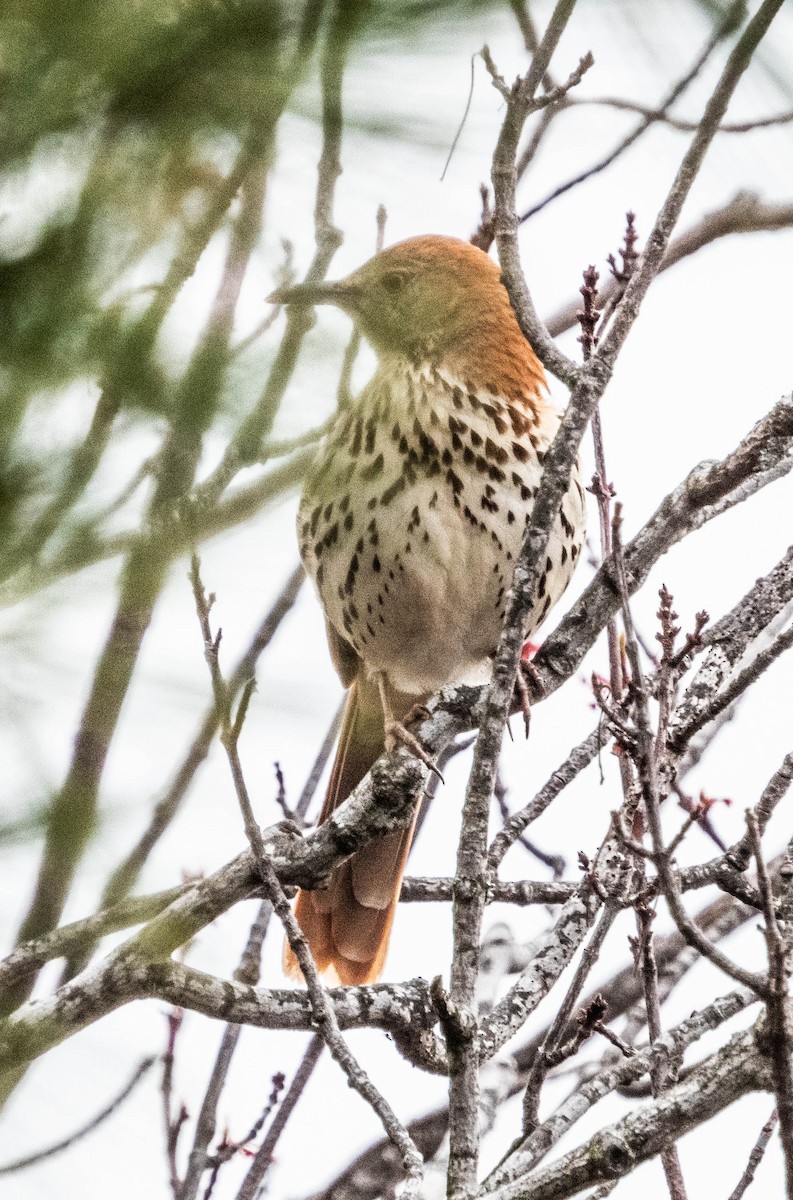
[393, 282]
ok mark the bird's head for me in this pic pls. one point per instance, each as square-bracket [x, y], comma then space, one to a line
[423, 298]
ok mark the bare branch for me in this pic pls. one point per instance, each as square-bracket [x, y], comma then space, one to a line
[30, 1160]
[322, 1008]
[244, 449]
[648, 776]
[71, 939]
[613, 1152]
[373, 1171]
[173, 1122]
[726, 25]
[264, 1155]
[73, 812]
[780, 1038]
[709, 490]
[745, 213]
[667, 1047]
[758, 1150]
[247, 972]
[661, 114]
[658, 240]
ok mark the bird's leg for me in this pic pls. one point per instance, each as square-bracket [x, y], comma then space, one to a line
[395, 731]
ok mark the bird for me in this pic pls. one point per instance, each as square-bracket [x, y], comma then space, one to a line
[410, 523]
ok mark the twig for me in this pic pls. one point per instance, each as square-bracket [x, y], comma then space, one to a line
[658, 240]
[124, 876]
[318, 766]
[280, 795]
[84, 462]
[735, 688]
[708, 491]
[246, 972]
[461, 126]
[648, 775]
[532, 42]
[745, 213]
[660, 1074]
[529, 152]
[281, 449]
[727, 25]
[589, 1021]
[245, 446]
[600, 487]
[227, 1149]
[550, 1053]
[285, 277]
[552, 954]
[679, 123]
[758, 1150]
[616, 1075]
[173, 1124]
[578, 758]
[261, 1162]
[740, 854]
[323, 1010]
[71, 939]
[779, 1037]
[30, 1160]
[73, 812]
[520, 102]
[554, 862]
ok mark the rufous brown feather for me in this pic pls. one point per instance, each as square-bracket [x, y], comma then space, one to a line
[348, 924]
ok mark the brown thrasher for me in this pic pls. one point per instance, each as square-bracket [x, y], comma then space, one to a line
[411, 519]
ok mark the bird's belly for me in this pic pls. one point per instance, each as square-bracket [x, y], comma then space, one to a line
[414, 573]
[442, 612]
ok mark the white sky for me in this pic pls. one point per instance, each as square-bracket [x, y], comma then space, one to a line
[709, 355]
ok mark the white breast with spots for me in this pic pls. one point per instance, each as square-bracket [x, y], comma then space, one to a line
[413, 516]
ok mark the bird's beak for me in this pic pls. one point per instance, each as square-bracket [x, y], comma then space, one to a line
[341, 293]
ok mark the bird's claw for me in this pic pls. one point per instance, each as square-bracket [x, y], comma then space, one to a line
[395, 732]
[419, 712]
[527, 680]
[522, 690]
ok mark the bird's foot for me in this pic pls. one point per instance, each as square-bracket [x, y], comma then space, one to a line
[395, 732]
[419, 712]
[527, 681]
[533, 678]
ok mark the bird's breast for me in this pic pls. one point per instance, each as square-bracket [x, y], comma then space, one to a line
[412, 518]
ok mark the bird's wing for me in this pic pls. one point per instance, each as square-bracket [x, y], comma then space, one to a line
[345, 659]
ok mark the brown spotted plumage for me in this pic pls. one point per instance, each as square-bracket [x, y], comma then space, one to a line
[410, 523]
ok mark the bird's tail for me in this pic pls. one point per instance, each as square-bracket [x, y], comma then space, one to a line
[348, 924]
